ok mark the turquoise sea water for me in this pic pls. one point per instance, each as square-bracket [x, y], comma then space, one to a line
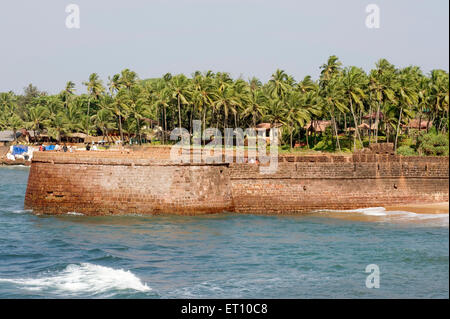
[318, 255]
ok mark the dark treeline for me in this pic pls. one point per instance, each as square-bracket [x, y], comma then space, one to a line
[342, 95]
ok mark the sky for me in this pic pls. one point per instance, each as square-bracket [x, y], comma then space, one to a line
[243, 37]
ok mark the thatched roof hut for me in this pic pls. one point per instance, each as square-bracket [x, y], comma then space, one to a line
[374, 116]
[8, 136]
[317, 126]
[418, 124]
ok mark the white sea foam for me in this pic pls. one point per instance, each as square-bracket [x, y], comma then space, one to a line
[22, 211]
[82, 278]
[440, 219]
[75, 214]
[371, 211]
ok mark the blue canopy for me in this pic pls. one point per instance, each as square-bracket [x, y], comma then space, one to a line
[50, 148]
[19, 149]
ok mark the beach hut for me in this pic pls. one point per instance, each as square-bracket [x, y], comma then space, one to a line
[317, 126]
[76, 137]
[417, 124]
[365, 128]
[7, 136]
[373, 116]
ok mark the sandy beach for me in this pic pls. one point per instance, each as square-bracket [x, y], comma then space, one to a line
[429, 208]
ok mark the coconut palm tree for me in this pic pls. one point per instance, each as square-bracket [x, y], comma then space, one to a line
[439, 96]
[57, 125]
[203, 94]
[380, 85]
[354, 82]
[406, 94]
[136, 106]
[295, 113]
[256, 106]
[333, 100]
[35, 118]
[103, 119]
[179, 86]
[329, 70]
[95, 89]
[226, 102]
[68, 92]
[128, 78]
[279, 84]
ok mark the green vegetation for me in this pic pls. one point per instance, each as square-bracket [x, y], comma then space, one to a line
[386, 99]
[433, 144]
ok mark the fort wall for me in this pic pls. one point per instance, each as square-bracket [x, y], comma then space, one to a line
[146, 182]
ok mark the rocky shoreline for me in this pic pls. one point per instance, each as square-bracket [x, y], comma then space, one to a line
[17, 162]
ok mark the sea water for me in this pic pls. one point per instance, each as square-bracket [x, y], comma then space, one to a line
[321, 254]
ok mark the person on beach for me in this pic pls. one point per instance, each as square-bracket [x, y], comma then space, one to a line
[41, 148]
[88, 147]
[65, 148]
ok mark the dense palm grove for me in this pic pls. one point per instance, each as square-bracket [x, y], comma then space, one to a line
[341, 95]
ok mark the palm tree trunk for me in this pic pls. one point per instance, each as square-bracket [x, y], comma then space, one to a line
[307, 141]
[420, 121]
[87, 119]
[190, 122]
[165, 125]
[398, 126]
[370, 124]
[204, 123]
[356, 123]
[377, 122]
[179, 112]
[290, 133]
[336, 132]
[138, 127]
[120, 129]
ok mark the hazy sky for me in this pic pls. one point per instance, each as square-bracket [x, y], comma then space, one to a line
[243, 37]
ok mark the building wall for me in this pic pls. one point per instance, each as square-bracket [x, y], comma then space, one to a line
[339, 183]
[116, 183]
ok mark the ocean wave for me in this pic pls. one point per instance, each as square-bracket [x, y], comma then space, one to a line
[399, 216]
[75, 214]
[370, 211]
[84, 278]
[22, 211]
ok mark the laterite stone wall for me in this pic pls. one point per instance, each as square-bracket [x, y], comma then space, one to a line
[146, 182]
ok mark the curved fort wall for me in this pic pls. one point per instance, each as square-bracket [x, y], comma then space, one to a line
[96, 183]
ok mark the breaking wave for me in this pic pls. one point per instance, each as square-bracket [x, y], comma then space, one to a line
[22, 211]
[399, 216]
[75, 214]
[82, 279]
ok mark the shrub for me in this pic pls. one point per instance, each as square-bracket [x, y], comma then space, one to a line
[406, 151]
[433, 144]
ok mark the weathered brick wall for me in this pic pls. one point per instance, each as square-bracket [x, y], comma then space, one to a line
[145, 182]
[333, 182]
[113, 184]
